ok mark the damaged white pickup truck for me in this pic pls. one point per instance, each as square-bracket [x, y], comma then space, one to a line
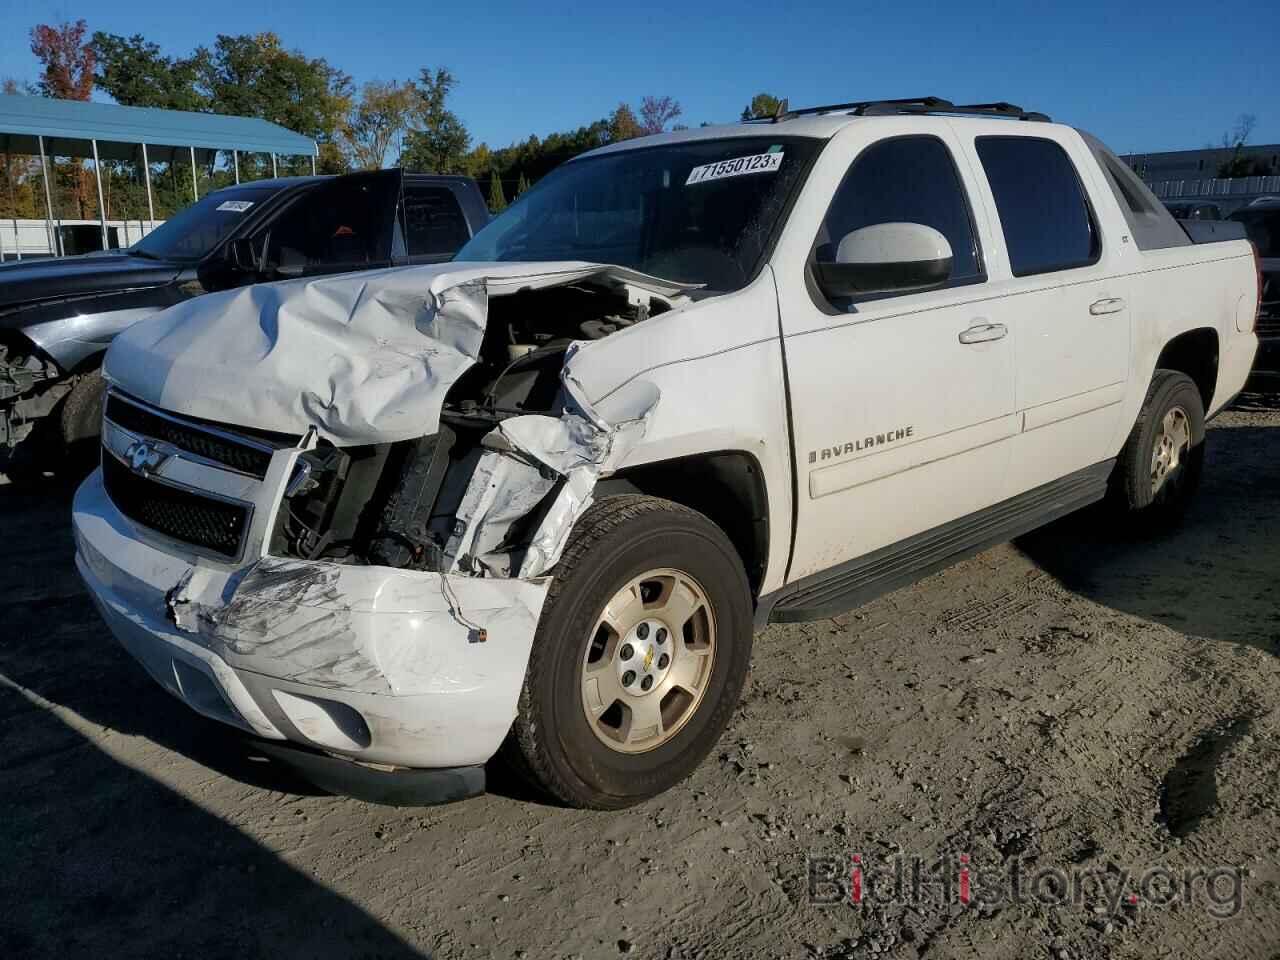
[392, 521]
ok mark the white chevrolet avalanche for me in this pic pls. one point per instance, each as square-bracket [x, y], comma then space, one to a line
[540, 498]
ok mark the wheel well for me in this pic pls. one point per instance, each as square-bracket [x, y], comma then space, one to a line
[91, 362]
[1194, 353]
[728, 487]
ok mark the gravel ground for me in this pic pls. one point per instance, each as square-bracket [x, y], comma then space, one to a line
[1075, 708]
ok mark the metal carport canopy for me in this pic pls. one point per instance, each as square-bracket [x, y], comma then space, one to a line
[66, 125]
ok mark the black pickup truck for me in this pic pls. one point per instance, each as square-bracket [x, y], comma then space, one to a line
[1261, 220]
[57, 317]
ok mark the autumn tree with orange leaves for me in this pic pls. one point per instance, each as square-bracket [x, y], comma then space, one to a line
[68, 62]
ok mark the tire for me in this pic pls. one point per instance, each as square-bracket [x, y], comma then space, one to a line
[1140, 490]
[81, 416]
[617, 544]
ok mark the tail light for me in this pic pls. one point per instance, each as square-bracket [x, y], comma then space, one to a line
[1246, 319]
[1257, 265]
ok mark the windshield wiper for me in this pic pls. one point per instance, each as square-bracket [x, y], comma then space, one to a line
[145, 254]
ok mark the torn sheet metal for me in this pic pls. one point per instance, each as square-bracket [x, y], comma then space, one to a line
[502, 489]
[524, 457]
[364, 629]
[363, 358]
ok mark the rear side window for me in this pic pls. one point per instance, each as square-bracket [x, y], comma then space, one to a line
[905, 180]
[1046, 219]
[1152, 226]
[434, 224]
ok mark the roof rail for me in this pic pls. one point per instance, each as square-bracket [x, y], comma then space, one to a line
[1004, 109]
[912, 105]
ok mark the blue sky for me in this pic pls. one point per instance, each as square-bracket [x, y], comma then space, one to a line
[1143, 77]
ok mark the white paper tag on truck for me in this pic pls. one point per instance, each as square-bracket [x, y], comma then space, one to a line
[737, 167]
[235, 206]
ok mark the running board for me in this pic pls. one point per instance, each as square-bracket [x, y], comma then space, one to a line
[862, 579]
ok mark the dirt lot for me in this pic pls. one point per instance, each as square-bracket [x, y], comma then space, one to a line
[1075, 706]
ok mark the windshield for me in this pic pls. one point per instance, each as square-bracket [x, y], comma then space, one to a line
[696, 212]
[193, 232]
[1263, 228]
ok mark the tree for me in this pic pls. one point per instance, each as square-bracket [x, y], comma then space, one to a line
[254, 76]
[623, 124]
[135, 73]
[376, 121]
[68, 61]
[1234, 140]
[12, 85]
[68, 75]
[17, 196]
[761, 105]
[656, 113]
[532, 159]
[479, 162]
[497, 199]
[437, 140]
[523, 185]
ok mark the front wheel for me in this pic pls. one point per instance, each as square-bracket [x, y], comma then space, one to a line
[640, 656]
[81, 416]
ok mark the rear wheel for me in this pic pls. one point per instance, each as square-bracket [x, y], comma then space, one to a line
[640, 655]
[1159, 469]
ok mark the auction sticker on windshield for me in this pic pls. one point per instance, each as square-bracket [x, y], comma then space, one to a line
[739, 166]
[235, 206]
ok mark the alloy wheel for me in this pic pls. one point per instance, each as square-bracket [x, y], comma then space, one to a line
[648, 661]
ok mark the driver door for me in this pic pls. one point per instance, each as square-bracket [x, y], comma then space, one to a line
[903, 404]
[343, 225]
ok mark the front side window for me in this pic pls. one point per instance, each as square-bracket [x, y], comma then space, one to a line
[697, 211]
[905, 180]
[1046, 220]
[346, 222]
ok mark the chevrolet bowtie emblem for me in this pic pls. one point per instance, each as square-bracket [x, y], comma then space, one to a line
[143, 459]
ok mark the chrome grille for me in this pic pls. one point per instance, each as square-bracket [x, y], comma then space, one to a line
[176, 512]
[242, 454]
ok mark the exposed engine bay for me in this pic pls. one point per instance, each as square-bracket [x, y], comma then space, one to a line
[29, 388]
[404, 504]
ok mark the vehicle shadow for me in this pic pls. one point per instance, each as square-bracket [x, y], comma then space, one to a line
[103, 860]
[57, 646]
[1214, 575]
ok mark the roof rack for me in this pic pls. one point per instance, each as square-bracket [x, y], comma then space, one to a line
[910, 105]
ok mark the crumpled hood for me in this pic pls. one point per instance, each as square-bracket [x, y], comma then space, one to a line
[363, 358]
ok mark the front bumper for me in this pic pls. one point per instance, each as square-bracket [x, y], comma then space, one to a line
[395, 787]
[377, 665]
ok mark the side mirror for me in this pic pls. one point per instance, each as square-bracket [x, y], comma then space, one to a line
[886, 258]
[286, 271]
[241, 256]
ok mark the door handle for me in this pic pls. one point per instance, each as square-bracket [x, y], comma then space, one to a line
[982, 332]
[1106, 305]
